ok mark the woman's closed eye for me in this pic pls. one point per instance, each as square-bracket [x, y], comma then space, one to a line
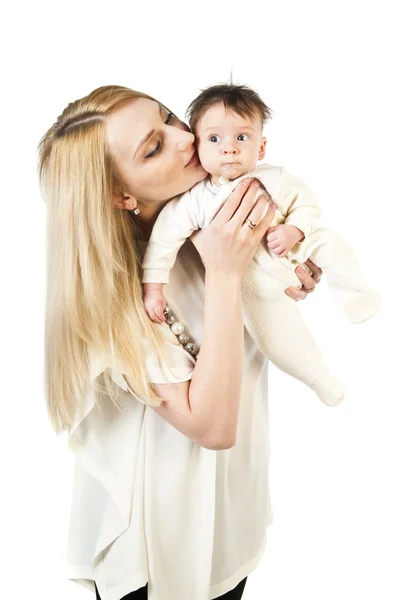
[159, 144]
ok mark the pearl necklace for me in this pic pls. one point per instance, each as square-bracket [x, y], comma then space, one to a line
[179, 331]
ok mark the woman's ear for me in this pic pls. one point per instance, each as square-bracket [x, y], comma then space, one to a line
[261, 152]
[124, 201]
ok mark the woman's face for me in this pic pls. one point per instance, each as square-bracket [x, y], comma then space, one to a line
[153, 152]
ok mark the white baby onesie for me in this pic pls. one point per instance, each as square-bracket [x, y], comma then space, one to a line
[272, 317]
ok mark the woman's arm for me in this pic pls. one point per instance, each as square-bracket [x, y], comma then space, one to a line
[206, 408]
[216, 383]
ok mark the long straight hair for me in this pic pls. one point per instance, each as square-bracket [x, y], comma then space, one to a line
[94, 303]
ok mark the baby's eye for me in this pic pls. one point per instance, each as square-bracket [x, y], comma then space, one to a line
[214, 138]
[243, 137]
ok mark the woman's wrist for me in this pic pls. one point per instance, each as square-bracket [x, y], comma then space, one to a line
[222, 277]
[221, 289]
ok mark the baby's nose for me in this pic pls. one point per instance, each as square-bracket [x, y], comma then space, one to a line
[229, 149]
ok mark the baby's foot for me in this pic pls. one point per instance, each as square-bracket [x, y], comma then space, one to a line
[362, 306]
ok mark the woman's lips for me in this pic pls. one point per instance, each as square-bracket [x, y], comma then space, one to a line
[192, 160]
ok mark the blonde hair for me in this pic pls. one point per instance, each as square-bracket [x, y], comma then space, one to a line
[94, 295]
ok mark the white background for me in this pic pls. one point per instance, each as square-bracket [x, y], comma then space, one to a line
[328, 71]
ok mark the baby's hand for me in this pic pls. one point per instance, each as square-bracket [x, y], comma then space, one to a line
[282, 238]
[154, 301]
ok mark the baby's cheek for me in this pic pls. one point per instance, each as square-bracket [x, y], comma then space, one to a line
[207, 161]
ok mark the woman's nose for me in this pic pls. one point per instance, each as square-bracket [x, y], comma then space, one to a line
[185, 140]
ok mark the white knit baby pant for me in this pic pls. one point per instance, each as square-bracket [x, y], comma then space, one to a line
[275, 323]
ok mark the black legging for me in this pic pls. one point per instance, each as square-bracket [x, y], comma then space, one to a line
[142, 593]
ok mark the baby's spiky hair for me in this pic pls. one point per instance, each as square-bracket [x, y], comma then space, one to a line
[237, 98]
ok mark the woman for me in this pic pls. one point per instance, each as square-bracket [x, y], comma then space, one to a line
[156, 512]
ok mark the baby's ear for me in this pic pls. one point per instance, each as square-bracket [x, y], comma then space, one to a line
[261, 152]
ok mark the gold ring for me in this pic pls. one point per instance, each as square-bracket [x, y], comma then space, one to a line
[251, 224]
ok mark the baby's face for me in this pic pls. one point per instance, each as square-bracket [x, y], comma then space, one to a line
[228, 144]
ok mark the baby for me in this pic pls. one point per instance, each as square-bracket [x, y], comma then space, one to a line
[228, 121]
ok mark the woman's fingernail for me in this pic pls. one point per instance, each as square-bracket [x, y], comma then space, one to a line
[300, 270]
[272, 207]
[246, 182]
[256, 184]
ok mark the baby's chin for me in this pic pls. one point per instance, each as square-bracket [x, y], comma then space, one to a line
[233, 170]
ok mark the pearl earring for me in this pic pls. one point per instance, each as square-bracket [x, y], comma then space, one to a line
[136, 211]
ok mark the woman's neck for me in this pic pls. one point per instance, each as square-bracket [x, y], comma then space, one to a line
[147, 217]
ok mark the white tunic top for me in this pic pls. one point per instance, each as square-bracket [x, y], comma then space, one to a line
[150, 505]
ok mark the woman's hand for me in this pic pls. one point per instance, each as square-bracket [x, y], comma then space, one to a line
[229, 243]
[309, 281]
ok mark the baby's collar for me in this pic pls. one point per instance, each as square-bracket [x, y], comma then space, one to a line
[221, 181]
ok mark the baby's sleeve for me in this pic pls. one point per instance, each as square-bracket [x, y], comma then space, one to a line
[176, 222]
[297, 202]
